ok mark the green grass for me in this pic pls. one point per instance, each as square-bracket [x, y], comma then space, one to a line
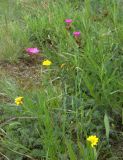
[81, 99]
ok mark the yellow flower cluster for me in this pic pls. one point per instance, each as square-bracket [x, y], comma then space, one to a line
[19, 101]
[93, 140]
[46, 63]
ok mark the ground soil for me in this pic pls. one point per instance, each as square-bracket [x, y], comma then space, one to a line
[25, 73]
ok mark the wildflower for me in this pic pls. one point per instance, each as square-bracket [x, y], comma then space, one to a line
[19, 101]
[46, 63]
[77, 38]
[32, 51]
[93, 140]
[62, 65]
[68, 21]
[76, 34]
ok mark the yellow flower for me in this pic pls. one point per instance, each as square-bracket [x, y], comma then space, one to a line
[19, 101]
[46, 63]
[93, 140]
[62, 65]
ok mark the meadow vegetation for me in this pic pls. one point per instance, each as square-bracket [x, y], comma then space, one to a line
[64, 103]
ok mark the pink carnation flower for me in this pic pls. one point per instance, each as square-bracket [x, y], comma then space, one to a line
[76, 34]
[31, 51]
[68, 21]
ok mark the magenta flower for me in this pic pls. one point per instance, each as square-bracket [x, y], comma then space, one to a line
[76, 34]
[68, 21]
[32, 51]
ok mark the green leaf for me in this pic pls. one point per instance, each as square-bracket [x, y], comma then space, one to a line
[70, 151]
[107, 125]
[81, 148]
[13, 124]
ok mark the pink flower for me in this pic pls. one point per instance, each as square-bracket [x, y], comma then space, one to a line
[68, 21]
[76, 34]
[32, 51]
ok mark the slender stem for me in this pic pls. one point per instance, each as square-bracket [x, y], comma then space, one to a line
[15, 118]
[4, 156]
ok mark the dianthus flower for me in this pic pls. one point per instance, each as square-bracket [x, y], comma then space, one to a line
[19, 101]
[32, 51]
[68, 21]
[93, 140]
[76, 34]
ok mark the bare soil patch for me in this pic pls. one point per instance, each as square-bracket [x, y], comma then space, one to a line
[27, 74]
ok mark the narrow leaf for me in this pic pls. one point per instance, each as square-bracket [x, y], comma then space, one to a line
[107, 125]
[70, 151]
